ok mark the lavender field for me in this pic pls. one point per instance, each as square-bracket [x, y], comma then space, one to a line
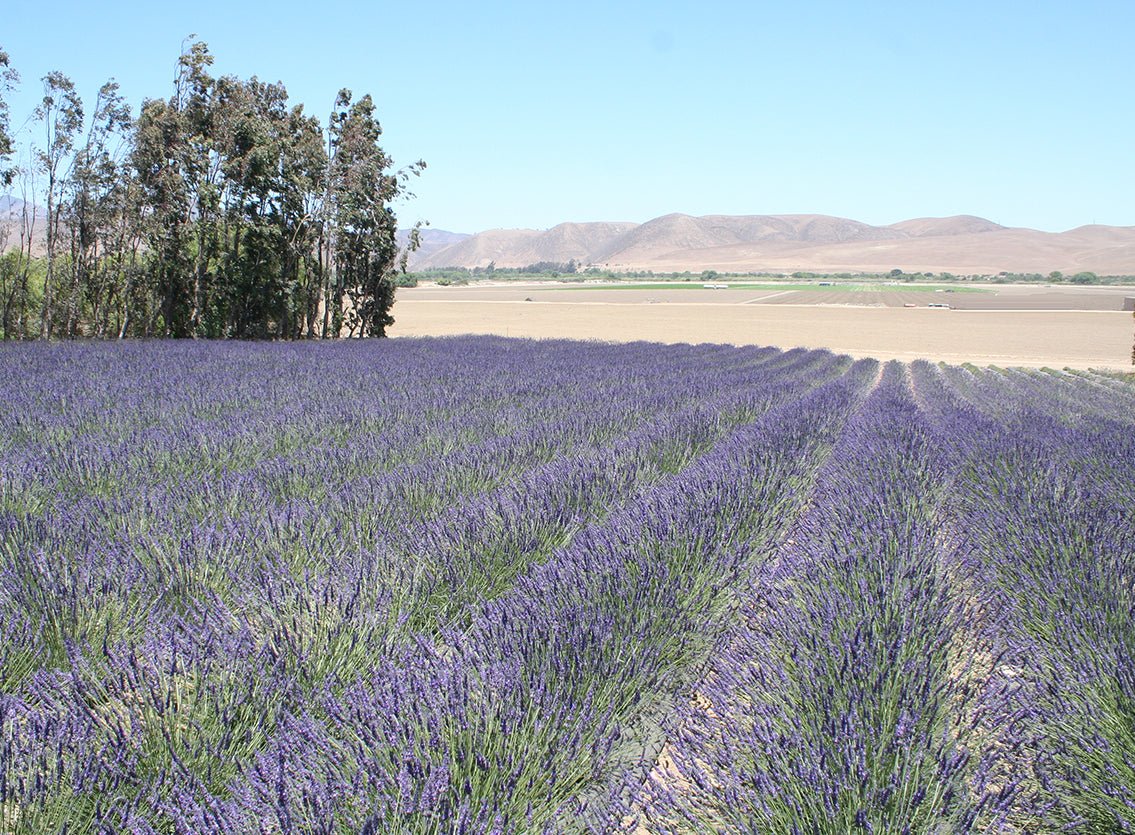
[479, 585]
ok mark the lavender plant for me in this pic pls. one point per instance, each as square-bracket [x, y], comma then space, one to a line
[488, 585]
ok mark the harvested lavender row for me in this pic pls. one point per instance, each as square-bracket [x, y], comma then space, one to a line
[1086, 395]
[1066, 396]
[1110, 383]
[989, 391]
[1023, 411]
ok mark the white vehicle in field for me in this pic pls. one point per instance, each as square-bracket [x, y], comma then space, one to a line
[940, 305]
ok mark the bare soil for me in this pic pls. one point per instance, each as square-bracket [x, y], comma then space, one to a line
[1073, 338]
[962, 297]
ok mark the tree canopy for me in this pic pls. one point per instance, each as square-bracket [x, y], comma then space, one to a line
[222, 211]
[8, 78]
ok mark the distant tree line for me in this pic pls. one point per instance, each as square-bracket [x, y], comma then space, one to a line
[446, 276]
[222, 211]
[1054, 277]
[572, 271]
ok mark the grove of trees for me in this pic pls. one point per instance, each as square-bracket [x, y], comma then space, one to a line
[222, 211]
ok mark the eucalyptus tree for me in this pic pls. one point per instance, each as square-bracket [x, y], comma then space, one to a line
[94, 203]
[177, 172]
[304, 168]
[362, 220]
[222, 211]
[19, 294]
[273, 161]
[61, 114]
[231, 175]
[157, 137]
[195, 97]
[10, 263]
[8, 79]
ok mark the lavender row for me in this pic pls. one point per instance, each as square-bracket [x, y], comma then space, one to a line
[498, 728]
[238, 664]
[121, 560]
[833, 705]
[150, 529]
[1049, 538]
[477, 548]
[1046, 538]
[1009, 394]
[484, 585]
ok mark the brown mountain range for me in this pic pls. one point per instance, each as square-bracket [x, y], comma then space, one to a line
[787, 243]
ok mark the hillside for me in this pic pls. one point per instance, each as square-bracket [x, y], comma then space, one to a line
[678, 242]
[519, 247]
[962, 244]
[11, 224]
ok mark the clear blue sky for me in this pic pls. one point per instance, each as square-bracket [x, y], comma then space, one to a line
[529, 114]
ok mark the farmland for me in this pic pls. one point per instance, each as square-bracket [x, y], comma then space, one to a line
[476, 584]
[1006, 325]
